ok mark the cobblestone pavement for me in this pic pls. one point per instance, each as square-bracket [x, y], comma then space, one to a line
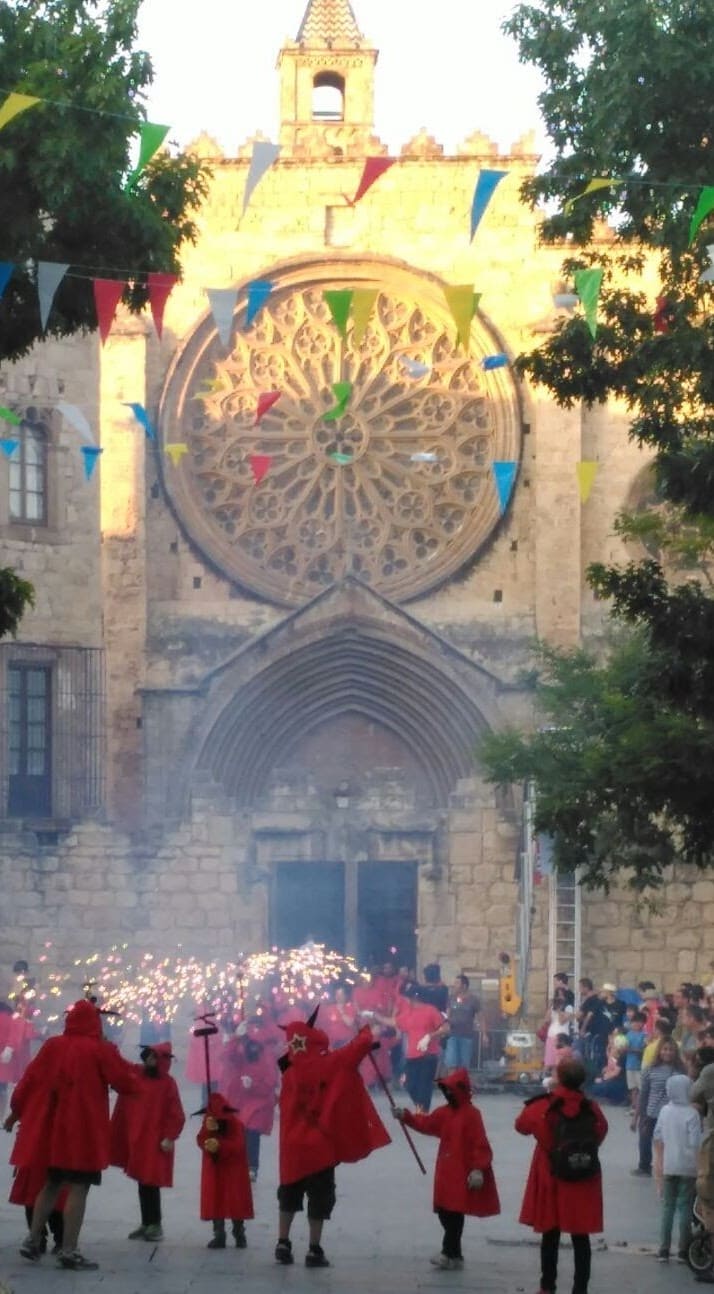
[381, 1238]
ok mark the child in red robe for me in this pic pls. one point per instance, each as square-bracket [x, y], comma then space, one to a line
[225, 1182]
[144, 1129]
[463, 1180]
[250, 1082]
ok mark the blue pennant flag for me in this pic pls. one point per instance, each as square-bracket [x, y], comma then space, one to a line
[8, 446]
[485, 187]
[142, 418]
[6, 268]
[258, 293]
[90, 454]
[504, 474]
[494, 361]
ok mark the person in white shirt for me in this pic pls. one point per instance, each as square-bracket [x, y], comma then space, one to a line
[677, 1138]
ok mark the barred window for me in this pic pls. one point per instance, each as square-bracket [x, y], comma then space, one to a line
[30, 776]
[28, 473]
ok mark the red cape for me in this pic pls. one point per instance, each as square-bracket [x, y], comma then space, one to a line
[255, 1104]
[463, 1145]
[575, 1207]
[142, 1121]
[225, 1179]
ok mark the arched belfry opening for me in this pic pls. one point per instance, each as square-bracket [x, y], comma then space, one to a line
[328, 97]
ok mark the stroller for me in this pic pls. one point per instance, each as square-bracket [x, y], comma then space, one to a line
[699, 1254]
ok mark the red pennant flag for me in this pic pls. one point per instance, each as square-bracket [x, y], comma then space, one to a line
[663, 315]
[374, 167]
[260, 465]
[266, 402]
[160, 288]
[107, 295]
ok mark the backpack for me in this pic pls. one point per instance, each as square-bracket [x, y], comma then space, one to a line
[574, 1153]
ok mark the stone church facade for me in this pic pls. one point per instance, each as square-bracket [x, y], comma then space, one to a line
[246, 715]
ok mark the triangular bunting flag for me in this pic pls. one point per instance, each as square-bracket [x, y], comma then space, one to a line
[707, 275]
[340, 304]
[587, 286]
[8, 446]
[176, 451]
[592, 186]
[704, 206]
[6, 268]
[374, 168]
[223, 304]
[142, 418]
[160, 288]
[77, 420]
[15, 104]
[9, 415]
[265, 403]
[151, 137]
[260, 465]
[264, 155]
[485, 187]
[258, 293]
[504, 474]
[49, 277]
[107, 295]
[90, 454]
[462, 302]
[414, 367]
[494, 361]
[664, 315]
[587, 471]
[342, 392]
[363, 303]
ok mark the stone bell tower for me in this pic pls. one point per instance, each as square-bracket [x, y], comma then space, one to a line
[327, 86]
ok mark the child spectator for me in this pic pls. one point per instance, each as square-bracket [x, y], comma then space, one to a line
[463, 1181]
[653, 1095]
[610, 1086]
[636, 1040]
[225, 1182]
[144, 1128]
[663, 1029]
[677, 1138]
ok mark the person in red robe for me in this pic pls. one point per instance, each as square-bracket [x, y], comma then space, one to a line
[31, 1106]
[250, 1081]
[463, 1180]
[326, 1118]
[145, 1127]
[340, 1019]
[70, 1079]
[225, 1182]
[550, 1204]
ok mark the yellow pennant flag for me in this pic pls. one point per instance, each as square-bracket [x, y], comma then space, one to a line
[587, 471]
[462, 302]
[15, 104]
[592, 186]
[176, 451]
[363, 302]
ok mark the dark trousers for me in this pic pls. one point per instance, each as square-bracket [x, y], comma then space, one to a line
[453, 1224]
[252, 1145]
[420, 1075]
[150, 1205]
[549, 1246]
[647, 1127]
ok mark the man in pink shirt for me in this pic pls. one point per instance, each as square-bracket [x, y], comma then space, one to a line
[423, 1027]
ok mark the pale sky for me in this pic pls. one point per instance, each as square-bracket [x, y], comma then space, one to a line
[444, 64]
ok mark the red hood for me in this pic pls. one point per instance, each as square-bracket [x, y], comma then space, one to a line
[83, 1019]
[218, 1106]
[305, 1040]
[571, 1100]
[458, 1086]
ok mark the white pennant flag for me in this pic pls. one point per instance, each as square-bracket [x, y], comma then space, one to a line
[76, 419]
[707, 275]
[49, 277]
[264, 154]
[223, 303]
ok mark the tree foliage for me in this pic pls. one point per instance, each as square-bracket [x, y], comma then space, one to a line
[16, 595]
[64, 164]
[623, 757]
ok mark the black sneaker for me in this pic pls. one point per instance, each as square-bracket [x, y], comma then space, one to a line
[75, 1262]
[30, 1250]
[640, 1172]
[315, 1257]
[284, 1253]
[239, 1235]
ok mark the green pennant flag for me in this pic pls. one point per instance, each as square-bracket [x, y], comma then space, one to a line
[8, 415]
[151, 137]
[701, 211]
[340, 304]
[587, 286]
[342, 392]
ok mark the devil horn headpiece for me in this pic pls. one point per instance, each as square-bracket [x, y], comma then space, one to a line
[313, 1017]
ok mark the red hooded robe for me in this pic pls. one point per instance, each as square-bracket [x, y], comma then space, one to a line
[463, 1145]
[326, 1115]
[255, 1103]
[549, 1203]
[142, 1121]
[69, 1081]
[225, 1179]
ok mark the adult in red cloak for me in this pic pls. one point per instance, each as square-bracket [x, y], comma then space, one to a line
[326, 1118]
[463, 1180]
[70, 1077]
[225, 1182]
[144, 1129]
[250, 1081]
[31, 1107]
[551, 1205]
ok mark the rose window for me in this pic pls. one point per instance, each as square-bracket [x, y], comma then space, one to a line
[398, 490]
